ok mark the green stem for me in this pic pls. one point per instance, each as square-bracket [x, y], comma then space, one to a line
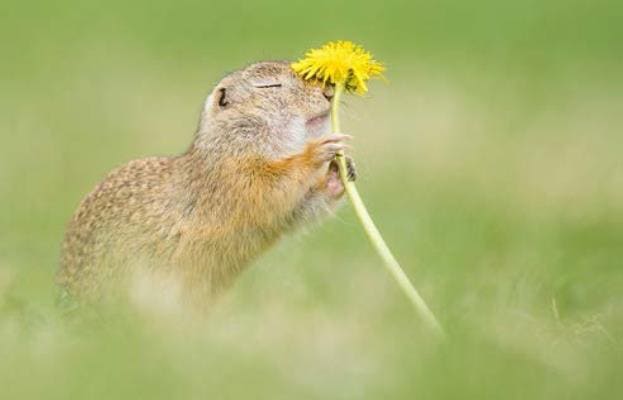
[373, 233]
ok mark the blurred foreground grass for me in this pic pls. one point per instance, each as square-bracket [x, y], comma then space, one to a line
[491, 162]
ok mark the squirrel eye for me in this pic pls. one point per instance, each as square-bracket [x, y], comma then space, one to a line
[221, 100]
[272, 85]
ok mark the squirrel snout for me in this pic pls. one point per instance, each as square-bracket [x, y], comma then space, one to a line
[327, 92]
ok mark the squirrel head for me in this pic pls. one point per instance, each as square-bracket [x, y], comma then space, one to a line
[264, 108]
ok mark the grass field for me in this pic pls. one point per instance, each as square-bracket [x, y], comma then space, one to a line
[491, 161]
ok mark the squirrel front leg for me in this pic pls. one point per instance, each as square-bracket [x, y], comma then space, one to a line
[324, 195]
[276, 188]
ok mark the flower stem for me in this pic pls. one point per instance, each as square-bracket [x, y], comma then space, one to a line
[373, 233]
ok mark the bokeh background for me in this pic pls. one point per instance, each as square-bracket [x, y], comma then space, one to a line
[491, 161]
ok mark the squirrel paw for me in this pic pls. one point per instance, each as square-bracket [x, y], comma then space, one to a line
[351, 170]
[334, 186]
[326, 148]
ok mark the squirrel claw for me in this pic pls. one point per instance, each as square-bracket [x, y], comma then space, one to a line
[351, 171]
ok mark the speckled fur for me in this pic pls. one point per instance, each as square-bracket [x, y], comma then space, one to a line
[254, 171]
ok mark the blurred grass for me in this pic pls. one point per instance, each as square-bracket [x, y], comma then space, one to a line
[491, 162]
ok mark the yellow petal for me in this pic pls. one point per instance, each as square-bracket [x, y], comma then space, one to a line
[339, 63]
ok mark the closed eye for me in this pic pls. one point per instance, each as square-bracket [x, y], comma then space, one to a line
[269, 86]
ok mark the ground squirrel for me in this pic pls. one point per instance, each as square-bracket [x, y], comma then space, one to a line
[261, 163]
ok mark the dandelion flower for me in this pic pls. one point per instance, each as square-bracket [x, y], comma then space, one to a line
[348, 67]
[340, 63]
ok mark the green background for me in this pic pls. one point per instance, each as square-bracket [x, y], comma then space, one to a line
[491, 161]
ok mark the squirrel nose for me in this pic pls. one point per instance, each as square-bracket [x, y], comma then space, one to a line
[327, 92]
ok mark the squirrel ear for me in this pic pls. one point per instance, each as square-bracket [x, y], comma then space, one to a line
[222, 98]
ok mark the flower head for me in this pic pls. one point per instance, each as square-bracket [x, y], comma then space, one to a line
[339, 63]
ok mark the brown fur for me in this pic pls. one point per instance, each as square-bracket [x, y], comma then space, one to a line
[256, 169]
